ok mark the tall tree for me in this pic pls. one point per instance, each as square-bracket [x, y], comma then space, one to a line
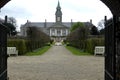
[11, 29]
[94, 31]
[13, 21]
[101, 24]
[76, 25]
[35, 35]
[102, 31]
[77, 38]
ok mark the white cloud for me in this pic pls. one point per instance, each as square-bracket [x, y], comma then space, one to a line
[39, 10]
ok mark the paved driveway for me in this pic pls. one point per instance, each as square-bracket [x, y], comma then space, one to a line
[56, 64]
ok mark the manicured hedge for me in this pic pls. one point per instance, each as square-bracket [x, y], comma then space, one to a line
[91, 43]
[24, 46]
[20, 44]
[87, 45]
[78, 37]
[81, 39]
[35, 39]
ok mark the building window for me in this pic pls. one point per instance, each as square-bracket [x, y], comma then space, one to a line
[64, 32]
[53, 32]
[58, 18]
[58, 32]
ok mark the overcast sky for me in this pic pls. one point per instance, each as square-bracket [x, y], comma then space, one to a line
[39, 10]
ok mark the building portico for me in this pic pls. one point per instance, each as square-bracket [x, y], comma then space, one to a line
[59, 32]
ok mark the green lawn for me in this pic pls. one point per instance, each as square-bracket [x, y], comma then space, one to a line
[76, 51]
[39, 51]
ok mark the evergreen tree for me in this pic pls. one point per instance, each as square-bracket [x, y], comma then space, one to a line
[76, 25]
[94, 31]
[11, 29]
[102, 31]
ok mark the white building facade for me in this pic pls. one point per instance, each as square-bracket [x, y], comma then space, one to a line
[57, 30]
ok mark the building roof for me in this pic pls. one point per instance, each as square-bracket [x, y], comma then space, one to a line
[53, 24]
[48, 24]
[88, 24]
[40, 24]
[59, 25]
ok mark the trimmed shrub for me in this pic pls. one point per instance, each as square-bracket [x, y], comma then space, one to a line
[89, 46]
[19, 44]
[86, 45]
[34, 40]
[51, 41]
[78, 37]
[47, 44]
[91, 43]
[21, 47]
[24, 45]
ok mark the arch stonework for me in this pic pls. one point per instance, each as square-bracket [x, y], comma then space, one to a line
[113, 5]
[3, 2]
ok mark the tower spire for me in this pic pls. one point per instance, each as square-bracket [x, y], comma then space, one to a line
[58, 6]
[58, 3]
[58, 13]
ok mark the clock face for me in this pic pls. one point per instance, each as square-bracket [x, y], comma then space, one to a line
[58, 18]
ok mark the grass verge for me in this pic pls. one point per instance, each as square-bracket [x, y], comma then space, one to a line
[39, 51]
[76, 51]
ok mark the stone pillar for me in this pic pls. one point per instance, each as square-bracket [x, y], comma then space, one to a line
[50, 32]
[25, 34]
[66, 32]
[6, 19]
[61, 32]
[55, 32]
[91, 21]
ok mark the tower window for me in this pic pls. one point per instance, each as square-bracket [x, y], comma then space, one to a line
[58, 18]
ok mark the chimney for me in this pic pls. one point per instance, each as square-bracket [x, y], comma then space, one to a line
[91, 21]
[6, 19]
[71, 22]
[45, 25]
[27, 21]
[105, 18]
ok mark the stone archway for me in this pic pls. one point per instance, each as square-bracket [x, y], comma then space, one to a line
[114, 6]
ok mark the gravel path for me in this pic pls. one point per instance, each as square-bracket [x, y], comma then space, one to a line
[56, 64]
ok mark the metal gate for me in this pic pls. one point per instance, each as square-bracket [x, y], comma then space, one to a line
[117, 36]
[3, 53]
[112, 49]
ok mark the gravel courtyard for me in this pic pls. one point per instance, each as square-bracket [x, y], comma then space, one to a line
[56, 64]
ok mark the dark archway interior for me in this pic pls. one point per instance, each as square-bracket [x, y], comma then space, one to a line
[114, 6]
[3, 2]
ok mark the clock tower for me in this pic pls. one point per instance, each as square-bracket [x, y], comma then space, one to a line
[58, 13]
